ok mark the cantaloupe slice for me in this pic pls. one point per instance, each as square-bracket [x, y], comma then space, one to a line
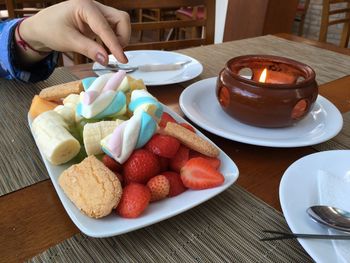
[39, 106]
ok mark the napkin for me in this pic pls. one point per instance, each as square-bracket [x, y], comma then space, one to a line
[334, 190]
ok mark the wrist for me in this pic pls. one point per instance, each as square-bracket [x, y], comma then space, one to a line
[26, 30]
[28, 51]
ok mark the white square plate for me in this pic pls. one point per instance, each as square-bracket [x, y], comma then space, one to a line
[113, 225]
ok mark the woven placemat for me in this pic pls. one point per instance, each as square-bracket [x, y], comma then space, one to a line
[20, 161]
[339, 142]
[328, 65]
[226, 228]
[20, 166]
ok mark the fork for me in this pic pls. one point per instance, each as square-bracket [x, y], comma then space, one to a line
[107, 69]
[285, 235]
[149, 67]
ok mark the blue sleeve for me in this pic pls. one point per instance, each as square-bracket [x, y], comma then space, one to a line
[9, 69]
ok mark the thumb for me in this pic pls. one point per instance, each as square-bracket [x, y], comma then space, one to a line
[88, 47]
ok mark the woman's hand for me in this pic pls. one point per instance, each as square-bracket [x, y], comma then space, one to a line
[72, 26]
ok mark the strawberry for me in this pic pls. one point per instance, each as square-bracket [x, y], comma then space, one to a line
[199, 174]
[163, 145]
[112, 164]
[159, 186]
[165, 118]
[215, 162]
[164, 164]
[141, 166]
[176, 185]
[120, 177]
[134, 200]
[180, 158]
[188, 127]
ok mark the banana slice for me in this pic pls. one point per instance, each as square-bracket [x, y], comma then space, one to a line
[67, 113]
[93, 133]
[53, 138]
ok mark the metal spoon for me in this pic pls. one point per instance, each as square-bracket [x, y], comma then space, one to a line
[330, 216]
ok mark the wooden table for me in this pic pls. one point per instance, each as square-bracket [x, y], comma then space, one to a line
[33, 218]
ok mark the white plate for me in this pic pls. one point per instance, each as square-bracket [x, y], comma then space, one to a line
[141, 57]
[199, 103]
[114, 225]
[299, 190]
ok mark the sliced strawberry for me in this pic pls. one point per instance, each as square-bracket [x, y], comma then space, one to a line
[215, 162]
[163, 145]
[199, 174]
[188, 127]
[159, 186]
[176, 185]
[141, 166]
[112, 164]
[134, 200]
[180, 158]
[164, 164]
[166, 117]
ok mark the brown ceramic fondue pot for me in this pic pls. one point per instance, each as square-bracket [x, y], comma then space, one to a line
[278, 97]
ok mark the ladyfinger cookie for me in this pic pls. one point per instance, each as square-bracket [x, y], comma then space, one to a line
[61, 91]
[191, 140]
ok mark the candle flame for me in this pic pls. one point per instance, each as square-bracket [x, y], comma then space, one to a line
[263, 76]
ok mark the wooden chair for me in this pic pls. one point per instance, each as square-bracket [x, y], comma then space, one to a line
[301, 14]
[192, 13]
[340, 9]
[22, 8]
[208, 23]
[155, 15]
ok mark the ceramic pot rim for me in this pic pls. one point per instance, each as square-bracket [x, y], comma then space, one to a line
[307, 70]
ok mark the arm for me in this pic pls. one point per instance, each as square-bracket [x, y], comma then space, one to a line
[67, 26]
[11, 66]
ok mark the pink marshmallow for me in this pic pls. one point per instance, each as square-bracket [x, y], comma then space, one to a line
[114, 82]
[90, 96]
[115, 142]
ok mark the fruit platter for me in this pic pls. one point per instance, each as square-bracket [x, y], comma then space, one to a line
[119, 159]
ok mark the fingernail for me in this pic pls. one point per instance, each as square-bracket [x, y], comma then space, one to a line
[126, 59]
[100, 58]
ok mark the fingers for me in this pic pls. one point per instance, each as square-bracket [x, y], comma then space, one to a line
[123, 28]
[120, 21]
[100, 27]
[87, 47]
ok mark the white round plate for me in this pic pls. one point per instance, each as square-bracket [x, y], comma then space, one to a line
[199, 103]
[299, 190]
[156, 78]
